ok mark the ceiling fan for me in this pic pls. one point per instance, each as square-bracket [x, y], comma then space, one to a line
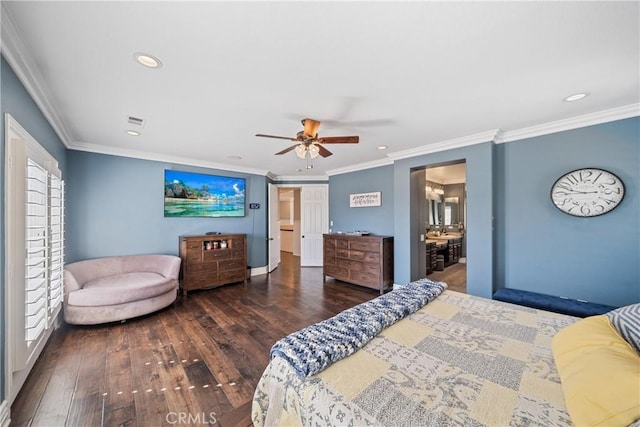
[308, 141]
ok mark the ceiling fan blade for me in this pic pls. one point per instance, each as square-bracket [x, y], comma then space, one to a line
[323, 151]
[274, 136]
[311, 127]
[339, 140]
[286, 150]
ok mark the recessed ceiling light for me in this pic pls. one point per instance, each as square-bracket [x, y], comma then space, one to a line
[234, 157]
[576, 97]
[132, 132]
[382, 147]
[147, 60]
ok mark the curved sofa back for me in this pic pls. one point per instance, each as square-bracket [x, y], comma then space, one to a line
[84, 271]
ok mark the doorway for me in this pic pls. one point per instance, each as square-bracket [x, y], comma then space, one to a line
[298, 219]
[289, 221]
[445, 224]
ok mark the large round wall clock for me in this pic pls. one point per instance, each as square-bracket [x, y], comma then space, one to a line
[587, 192]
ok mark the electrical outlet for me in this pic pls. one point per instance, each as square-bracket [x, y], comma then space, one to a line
[254, 205]
[331, 223]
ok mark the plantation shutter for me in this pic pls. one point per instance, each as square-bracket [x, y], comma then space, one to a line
[56, 243]
[36, 263]
[34, 248]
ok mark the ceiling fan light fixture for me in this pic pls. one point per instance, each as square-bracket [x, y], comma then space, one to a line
[301, 151]
[313, 150]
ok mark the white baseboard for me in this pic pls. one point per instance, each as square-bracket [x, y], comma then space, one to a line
[5, 415]
[259, 270]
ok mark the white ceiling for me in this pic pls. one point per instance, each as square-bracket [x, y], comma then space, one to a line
[414, 76]
[450, 174]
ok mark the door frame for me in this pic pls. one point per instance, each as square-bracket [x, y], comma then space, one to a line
[273, 226]
[300, 186]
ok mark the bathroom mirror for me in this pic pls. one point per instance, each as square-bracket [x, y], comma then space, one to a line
[434, 212]
[451, 211]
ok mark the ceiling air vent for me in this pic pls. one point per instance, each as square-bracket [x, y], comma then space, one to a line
[135, 121]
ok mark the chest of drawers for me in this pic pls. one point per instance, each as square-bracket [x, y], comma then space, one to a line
[212, 260]
[361, 260]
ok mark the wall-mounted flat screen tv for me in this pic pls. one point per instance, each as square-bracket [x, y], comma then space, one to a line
[188, 194]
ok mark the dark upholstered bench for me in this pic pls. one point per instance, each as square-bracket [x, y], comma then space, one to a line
[561, 305]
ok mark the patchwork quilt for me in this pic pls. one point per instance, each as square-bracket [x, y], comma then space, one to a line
[458, 361]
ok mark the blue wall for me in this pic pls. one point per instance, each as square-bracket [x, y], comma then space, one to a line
[16, 101]
[539, 248]
[534, 246]
[115, 206]
[375, 219]
[408, 226]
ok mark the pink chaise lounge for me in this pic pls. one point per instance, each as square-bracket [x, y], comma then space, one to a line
[116, 288]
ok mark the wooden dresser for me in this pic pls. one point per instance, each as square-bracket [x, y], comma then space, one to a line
[212, 260]
[361, 260]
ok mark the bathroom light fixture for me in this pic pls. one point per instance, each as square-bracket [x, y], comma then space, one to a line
[147, 60]
[132, 132]
[576, 97]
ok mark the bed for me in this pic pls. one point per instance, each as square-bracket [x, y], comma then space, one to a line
[457, 359]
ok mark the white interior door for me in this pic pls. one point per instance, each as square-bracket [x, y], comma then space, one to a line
[274, 228]
[314, 221]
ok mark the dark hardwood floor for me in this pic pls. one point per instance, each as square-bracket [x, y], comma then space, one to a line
[455, 276]
[195, 363]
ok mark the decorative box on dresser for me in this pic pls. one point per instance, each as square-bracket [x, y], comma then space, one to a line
[212, 260]
[362, 260]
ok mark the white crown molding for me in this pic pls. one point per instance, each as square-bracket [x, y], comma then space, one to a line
[449, 144]
[360, 166]
[28, 74]
[591, 119]
[301, 178]
[500, 136]
[145, 155]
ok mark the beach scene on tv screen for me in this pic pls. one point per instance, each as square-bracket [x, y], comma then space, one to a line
[188, 194]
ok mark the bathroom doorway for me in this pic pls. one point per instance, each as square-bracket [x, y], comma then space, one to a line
[444, 220]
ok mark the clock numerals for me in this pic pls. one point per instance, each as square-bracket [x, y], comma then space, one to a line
[572, 179]
[585, 176]
[587, 192]
[609, 190]
[597, 177]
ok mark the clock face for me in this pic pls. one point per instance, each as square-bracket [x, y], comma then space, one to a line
[587, 192]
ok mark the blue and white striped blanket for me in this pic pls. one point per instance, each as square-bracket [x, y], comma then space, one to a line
[316, 347]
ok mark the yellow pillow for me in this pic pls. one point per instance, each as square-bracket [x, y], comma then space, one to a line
[600, 373]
